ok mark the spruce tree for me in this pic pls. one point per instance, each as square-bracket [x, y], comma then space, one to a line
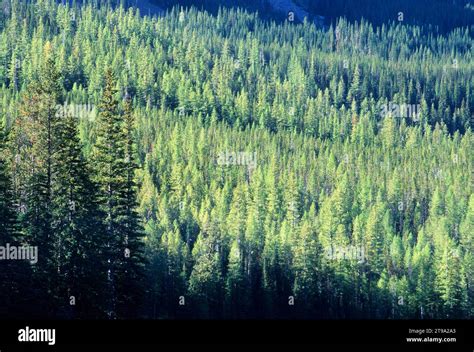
[12, 273]
[130, 285]
[467, 244]
[8, 217]
[32, 146]
[77, 225]
[114, 164]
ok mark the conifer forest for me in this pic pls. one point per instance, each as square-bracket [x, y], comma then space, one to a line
[235, 160]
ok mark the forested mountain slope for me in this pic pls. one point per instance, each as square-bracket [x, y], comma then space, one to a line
[445, 15]
[442, 15]
[278, 10]
[284, 170]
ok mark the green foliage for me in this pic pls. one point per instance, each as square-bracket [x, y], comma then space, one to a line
[114, 162]
[250, 171]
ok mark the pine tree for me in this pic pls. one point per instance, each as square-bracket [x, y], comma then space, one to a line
[238, 291]
[12, 273]
[467, 245]
[8, 217]
[206, 282]
[426, 277]
[130, 285]
[174, 281]
[375, 239]
[32, 147]
[78, 231]
[450, 279]
[307, 267]
[115, 163]
[354, 90]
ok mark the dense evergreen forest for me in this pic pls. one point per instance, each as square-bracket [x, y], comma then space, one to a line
[438, 15]
[220, 166]
[442, 15]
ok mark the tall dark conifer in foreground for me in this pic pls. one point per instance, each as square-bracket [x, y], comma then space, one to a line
[12, 273]
[8, 221]
[32, 148]
[114, 160]
[130, 285]
[58, 206]
[77, 225]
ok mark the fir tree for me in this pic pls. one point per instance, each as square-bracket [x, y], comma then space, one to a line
[114, 163]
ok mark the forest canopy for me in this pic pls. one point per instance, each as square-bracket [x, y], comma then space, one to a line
[225, 166]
